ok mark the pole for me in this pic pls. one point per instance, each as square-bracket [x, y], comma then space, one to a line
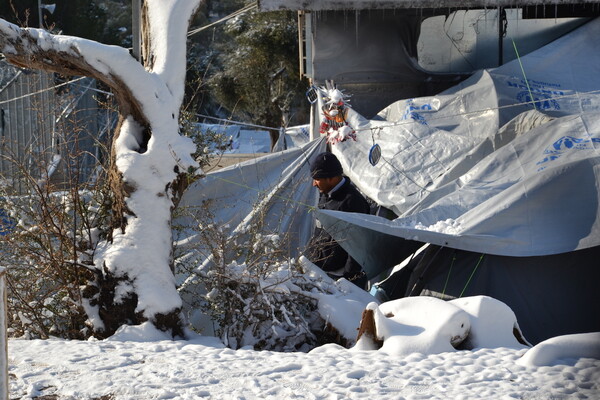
[3, 339]
[40, 23]
[501, 33]
[136, 11]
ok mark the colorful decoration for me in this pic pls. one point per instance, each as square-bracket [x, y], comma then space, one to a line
[334, 123]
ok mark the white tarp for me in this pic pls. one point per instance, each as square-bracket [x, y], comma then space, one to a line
[477, 168]
[274, 191]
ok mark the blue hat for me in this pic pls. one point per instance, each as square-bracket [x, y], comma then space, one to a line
[325, 165]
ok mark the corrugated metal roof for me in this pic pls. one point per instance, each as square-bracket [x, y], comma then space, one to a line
[319, 5]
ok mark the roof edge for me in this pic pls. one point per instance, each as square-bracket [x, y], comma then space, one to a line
[323, 5]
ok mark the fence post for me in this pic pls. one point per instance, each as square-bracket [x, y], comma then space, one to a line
[3, 340]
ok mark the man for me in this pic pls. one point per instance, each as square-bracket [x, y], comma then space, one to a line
[336, 193]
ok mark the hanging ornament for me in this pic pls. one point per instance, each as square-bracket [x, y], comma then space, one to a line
[374, 154]
[374, 151]
[312, 94]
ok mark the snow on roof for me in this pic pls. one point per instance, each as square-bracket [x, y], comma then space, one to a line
[319, 5]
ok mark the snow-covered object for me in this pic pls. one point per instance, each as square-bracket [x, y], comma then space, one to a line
[142, 251]
[333, 121]
[342, 305]
[559, 349]
[343, 309]
[492, 322]
[139, 333]
[421, 324]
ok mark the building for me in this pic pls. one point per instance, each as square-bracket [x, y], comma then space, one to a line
[381, 51]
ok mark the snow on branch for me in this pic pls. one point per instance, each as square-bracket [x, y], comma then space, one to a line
[37, 49]
[168, 60]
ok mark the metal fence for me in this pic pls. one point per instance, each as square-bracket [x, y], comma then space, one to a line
[50, 127]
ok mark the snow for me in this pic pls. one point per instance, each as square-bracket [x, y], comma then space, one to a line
[140, 362]
[557, 350]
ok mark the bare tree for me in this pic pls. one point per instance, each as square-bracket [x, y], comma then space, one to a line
[149, 158]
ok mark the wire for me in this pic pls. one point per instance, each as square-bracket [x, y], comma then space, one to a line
[485, 110]
[472, 273]
[230, 16]
[524, 76]
[454, 41]
[41, 91]
[243, 185]
[238, 123]
[449, 271]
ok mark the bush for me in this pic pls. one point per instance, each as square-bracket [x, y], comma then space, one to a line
[49, 253]
[247, 287]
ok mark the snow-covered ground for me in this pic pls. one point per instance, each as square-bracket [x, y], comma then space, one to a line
[141, 363]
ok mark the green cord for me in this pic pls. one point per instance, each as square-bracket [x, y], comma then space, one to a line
[448, 277]
[523, 71]
[472, 273]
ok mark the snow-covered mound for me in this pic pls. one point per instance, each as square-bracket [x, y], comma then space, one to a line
[559, 349]
[493, 323]
[429, 325]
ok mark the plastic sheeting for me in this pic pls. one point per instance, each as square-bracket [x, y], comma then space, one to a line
[477, 167]
[273, 192]
[499, 164]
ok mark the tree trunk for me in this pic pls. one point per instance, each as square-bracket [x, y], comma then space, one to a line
[134, 281]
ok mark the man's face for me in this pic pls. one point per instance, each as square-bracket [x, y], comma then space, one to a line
[326, 184]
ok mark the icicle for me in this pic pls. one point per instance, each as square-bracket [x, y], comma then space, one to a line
[356, 18]
[544, 10]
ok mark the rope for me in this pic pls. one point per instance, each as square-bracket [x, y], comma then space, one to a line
[449, 271]
[310, 208]
[407, 122]
[424, 271]
[41, 91]
[472, 273]
[524, 76]
[238, 123]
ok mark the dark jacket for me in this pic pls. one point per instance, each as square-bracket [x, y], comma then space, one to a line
[326, 252]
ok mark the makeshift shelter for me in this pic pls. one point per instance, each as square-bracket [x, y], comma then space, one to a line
[548, 294]
[499, 174]
[502, 166]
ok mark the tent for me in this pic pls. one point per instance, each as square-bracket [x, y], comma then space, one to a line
[500, 175]
[503, 167]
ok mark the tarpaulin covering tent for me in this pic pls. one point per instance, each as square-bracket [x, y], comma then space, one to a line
[274, 192]
[480, 168]
[550, 295]
[506, 164]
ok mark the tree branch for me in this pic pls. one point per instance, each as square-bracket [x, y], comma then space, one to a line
[38, 49]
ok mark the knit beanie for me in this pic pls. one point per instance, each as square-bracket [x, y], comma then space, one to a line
[325, 165]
